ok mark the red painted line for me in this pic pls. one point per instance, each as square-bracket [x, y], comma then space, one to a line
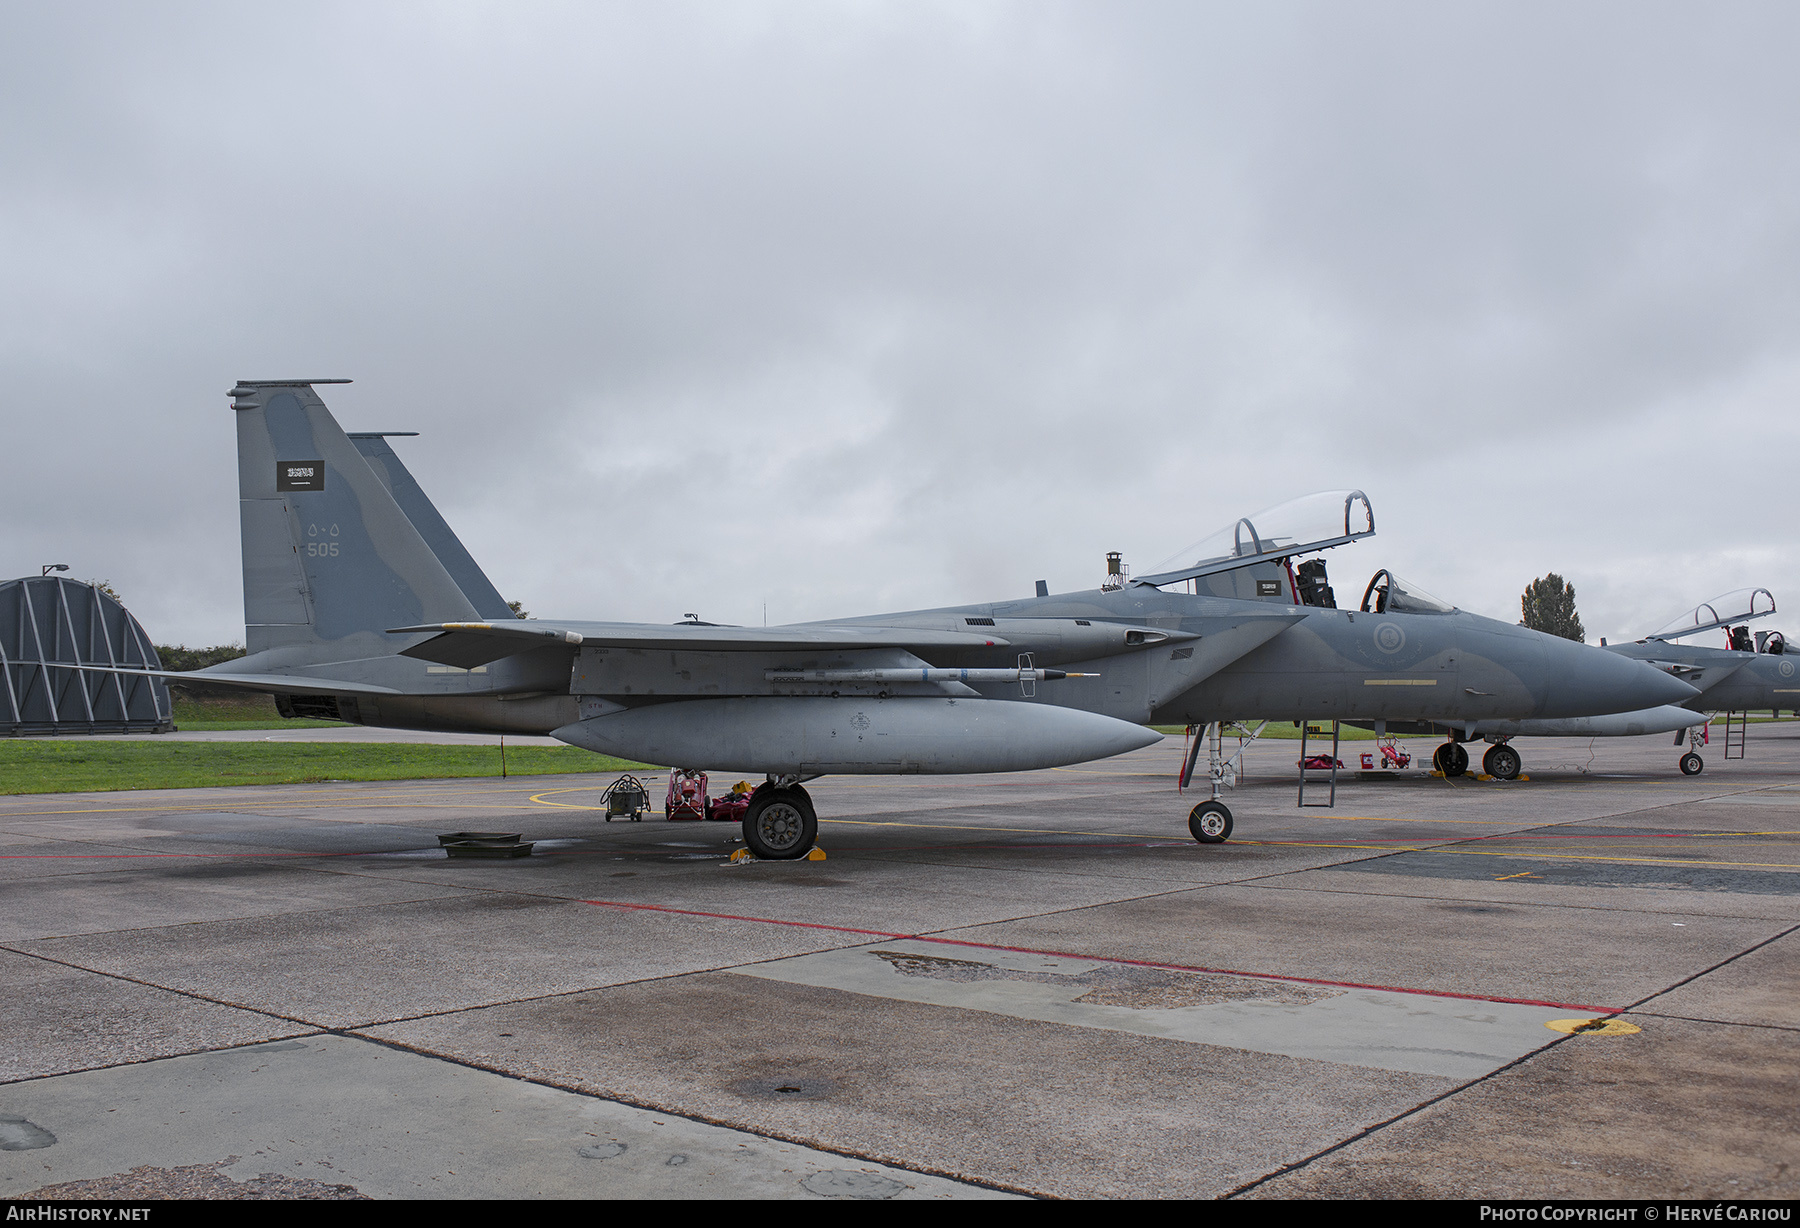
[1107, 959]
[91, 856]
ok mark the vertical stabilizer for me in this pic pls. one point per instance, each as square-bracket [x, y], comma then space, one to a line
[328, 552]
[431, 525]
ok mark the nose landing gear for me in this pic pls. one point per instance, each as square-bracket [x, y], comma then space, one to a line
[1210, 822]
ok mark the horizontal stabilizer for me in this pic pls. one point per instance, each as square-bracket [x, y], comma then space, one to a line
[467, 645]
[282, 684]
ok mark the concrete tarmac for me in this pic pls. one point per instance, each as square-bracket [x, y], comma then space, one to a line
[1032, 984]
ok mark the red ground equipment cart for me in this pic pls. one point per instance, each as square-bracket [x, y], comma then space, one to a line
[687, 794]
[1387, 757]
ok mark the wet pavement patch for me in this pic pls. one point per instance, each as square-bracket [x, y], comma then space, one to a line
[847, 1183]
[1117, 984]
[1354, 1025]
[795, 1088]
[17, 1134]
[1545, 869]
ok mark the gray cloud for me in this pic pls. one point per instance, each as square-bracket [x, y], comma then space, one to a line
[848, 308]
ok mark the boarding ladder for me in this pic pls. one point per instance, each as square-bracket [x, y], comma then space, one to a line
[1306, 728]
[1737, 730]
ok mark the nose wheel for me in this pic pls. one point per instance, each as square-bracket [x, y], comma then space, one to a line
[1210, 822]
[1691, 764]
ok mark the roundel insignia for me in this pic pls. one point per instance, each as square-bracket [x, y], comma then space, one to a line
[859, 722]
[1786, 669]
[1389, 637]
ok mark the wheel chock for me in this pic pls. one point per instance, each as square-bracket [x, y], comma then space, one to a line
[745, 856]
[1594, 1027]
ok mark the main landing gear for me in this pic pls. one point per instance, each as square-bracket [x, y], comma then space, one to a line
[779, 824]
[1501, 762]
[1450, 759]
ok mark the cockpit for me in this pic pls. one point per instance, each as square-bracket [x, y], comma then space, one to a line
[1389, 594]
[1252, 558]
[1739, 606]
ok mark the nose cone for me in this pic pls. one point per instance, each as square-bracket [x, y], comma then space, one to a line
[1584, 681]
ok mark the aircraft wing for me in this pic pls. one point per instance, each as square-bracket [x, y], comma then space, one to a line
[467, 645]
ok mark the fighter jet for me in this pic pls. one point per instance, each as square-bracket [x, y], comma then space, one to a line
[357, 607]
[1749, 673]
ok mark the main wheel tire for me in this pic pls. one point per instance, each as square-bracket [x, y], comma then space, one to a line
[1691, 764]
[1210, 822]
[780, 824]
[1451, 759]
[1502, 762]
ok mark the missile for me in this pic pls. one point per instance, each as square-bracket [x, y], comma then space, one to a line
[808, 736]
[919, 675]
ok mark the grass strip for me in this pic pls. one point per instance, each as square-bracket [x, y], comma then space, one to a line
[198, 726]
[80, 766]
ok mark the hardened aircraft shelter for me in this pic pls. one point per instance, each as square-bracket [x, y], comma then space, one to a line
[48, 625]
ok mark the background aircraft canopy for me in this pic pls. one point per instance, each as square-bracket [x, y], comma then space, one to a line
[1299, 526]
[1737, 606]
[1389, 594]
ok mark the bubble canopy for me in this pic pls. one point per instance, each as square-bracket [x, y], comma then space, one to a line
[1299, 526]
[1389, 594]
[1738, 606]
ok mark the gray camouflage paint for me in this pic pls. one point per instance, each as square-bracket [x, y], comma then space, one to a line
[318, 623]
[1728, 680]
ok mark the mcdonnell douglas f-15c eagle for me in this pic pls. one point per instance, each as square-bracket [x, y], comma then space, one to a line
[1746, 674]
[360, 604]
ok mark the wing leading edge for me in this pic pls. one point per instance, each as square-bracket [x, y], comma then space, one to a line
[467, 645]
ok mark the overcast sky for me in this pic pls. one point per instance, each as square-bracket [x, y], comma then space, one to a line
[848, 307]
